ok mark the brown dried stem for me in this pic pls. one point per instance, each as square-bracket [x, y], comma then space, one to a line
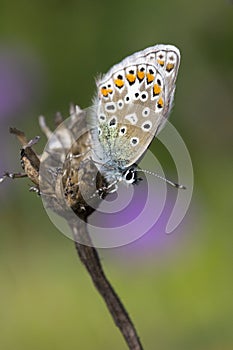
[90, 258]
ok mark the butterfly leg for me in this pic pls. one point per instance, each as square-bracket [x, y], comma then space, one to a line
[12, 176]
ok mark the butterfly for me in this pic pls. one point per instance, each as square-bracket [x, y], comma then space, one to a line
[132, 103]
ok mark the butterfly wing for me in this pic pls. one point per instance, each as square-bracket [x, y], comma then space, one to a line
[133, 99]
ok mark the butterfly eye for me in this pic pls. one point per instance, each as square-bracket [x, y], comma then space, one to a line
[130, 176]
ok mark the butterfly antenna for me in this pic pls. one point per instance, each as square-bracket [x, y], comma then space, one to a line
[173, 184]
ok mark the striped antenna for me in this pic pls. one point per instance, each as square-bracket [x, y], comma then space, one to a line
[173, 184]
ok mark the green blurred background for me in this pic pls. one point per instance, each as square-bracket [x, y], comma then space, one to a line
[179, 297]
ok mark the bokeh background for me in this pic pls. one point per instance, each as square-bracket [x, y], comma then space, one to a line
[177, 288]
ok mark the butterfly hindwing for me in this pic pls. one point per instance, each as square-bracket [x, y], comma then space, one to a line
[134, 98]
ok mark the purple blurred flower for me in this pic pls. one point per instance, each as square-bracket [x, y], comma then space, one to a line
[21, 86]
[20, 81]
[154, 242]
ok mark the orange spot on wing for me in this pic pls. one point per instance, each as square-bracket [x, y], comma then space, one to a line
[141, 75]
[131, 78]
[150, 77]
[105, 92]
[119, 82]
[169, 67]
[160, 103]
[156, 89]
[161, 62]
